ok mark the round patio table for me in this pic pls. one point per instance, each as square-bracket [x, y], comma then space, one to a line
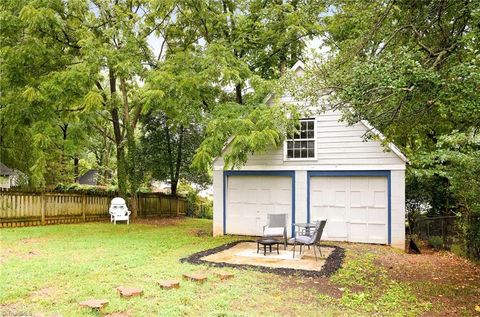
[267, 242]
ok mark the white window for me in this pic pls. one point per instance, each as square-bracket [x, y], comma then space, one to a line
[302, 145]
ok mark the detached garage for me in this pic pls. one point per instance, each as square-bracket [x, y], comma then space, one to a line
[327, 171]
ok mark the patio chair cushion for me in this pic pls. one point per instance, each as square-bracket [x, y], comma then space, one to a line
[273, 232]
[304, 239]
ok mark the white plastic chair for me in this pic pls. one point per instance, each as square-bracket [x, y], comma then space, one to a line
[118, 211]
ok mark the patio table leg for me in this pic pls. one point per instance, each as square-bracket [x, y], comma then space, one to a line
[258, 247]
[265, 250]
[270, 248]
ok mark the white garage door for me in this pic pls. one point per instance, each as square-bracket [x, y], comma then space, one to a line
[251, 198]
[356, 207]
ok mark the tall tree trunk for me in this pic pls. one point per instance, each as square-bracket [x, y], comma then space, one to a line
[179, 162]
[63, 165]
[238, 93]
[120, 153]
[170, 157]
[76, 175]
[130, 159]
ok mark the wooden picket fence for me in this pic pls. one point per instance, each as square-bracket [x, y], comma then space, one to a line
[44, 208]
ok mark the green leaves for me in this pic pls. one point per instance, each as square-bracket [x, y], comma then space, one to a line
[93, 100]
[412, 71]
[31, 94]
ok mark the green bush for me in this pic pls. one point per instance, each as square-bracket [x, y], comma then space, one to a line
[197, 206]
[436, 242]
[84, 189]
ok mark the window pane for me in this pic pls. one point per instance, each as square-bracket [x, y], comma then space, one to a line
[304, 145]
[297, 144]
[310, 125]
[311, 144]
[289, 144]
[303, 125]
[311, 153]
[289, 153]
[296, 154]
[303, 134]
[310, 135]
[304, 153]
[296, 135]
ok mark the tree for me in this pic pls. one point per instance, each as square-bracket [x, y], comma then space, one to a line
[168, 149]
[86, 56]
[250, 43]
[412, 70]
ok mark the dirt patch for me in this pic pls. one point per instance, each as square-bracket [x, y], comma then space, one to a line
[201, 233]
[160, 221]
[450, 282]
[44, 292]
[332, 263]
[34, 240]
[31, 254]
[316, 285]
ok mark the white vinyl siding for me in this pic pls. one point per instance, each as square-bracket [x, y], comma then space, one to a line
[337, 145]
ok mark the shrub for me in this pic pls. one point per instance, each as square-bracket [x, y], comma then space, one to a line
[198, 207]
[436, 242]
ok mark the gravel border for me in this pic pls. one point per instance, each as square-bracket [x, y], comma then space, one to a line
[332, 263]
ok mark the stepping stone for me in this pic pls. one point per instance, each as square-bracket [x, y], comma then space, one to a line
[129, 291]
[196, 277]
[94, 303]
[169, 284]
[224, 275]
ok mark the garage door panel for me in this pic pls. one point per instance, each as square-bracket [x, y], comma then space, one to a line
[358, 232]
[357, 199]
[379, 199]
[340, 199]
[359, 214]
[358, 183]
[265, 196]
[356, 207]
[377, 183]
[376, 215]
[251, 198]
[319, 214]
[317, 198]
[283, 197]
[336, 229]
[376, 233]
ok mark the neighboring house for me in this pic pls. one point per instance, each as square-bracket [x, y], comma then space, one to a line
[89, 178]
[8, 176]
[327, 172]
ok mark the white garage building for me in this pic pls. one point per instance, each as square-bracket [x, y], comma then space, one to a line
[327, 172]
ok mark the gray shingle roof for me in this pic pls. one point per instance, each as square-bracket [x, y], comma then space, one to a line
[7, 171]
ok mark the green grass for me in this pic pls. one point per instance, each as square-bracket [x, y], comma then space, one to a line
[50, 269]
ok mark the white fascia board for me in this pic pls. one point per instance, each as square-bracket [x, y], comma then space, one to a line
[390, 145]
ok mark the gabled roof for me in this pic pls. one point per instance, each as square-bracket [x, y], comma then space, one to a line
[6, 171]
[301, 65]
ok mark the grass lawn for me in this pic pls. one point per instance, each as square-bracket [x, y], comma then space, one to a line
[50, 269]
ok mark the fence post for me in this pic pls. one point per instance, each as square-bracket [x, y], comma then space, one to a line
[178, 205]
[44, 207]
[84, 205]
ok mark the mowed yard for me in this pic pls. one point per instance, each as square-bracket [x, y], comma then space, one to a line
[48, 270]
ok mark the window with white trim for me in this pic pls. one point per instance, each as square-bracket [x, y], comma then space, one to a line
[302, 144]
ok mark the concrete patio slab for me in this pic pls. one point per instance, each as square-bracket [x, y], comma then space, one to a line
[245, 253]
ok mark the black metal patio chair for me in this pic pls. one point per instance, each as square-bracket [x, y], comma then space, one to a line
[310, 240]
